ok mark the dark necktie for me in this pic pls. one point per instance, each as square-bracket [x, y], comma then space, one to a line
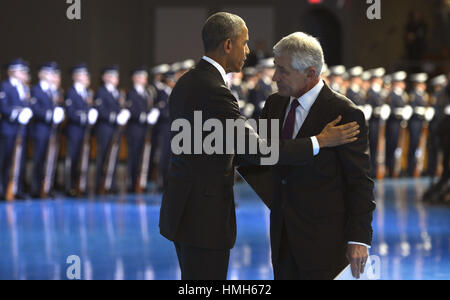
[288, 130]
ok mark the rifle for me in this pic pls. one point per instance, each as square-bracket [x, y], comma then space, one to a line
[145, 161]
[51, 159]
[407, 112]
[421, 150]
[13, 183]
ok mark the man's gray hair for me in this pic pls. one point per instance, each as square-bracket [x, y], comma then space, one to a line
[304, 49]
[220, 27]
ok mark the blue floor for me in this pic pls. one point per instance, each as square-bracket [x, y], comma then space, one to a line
[117, 237]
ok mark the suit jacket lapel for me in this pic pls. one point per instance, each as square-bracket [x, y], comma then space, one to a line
[317, 111]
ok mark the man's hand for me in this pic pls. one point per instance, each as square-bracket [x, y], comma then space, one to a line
[333, 135]
[357, 255]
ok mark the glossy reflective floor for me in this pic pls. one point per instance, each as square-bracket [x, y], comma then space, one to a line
[118, 237]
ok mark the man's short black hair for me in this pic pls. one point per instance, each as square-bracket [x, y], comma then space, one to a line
[220, 27]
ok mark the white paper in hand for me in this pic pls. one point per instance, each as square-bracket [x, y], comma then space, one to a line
[368, 274]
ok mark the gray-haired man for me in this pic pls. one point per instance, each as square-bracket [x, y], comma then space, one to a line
[321, 212]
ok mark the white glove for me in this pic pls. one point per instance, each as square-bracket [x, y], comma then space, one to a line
[368, 111]
[447, 110]
[123, 117]
[430, 113]
[153, 116]
[249, 109]
[25, 116]
[58, 115]
[407, 112]
[92, 116]
[385, 112]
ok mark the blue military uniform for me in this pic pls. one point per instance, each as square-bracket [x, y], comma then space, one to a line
[437, 102]
[415, 125]
[393, 126]
[375, 100]
[42, 105]
[13, 98]
[161, 133]
[139, 103]
[77, 108]
[108, 106]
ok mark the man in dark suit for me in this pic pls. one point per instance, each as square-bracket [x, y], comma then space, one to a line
[198, 212]
[321, 212]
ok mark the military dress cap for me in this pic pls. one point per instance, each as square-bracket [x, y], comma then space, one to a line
[161, 69]
[112, 69]
[139, 71]
[80, 68]
[18, 64]
[250, 71]
[377, 72]
[49, 67]
[387, 79]
[399, 76]
[356, 71]
[438, 80]
[419, 77]
[366, 76]
[337, 70]
[267, 63]
[187, 64]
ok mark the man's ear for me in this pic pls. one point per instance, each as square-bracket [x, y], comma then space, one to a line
[227, 46]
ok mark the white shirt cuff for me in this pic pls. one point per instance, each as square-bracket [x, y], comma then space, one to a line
[316, 146]
[361, 244]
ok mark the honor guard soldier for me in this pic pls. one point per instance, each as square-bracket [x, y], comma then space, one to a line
[376, 101]
[438, 84]
[46, 113]
[265, 86]
[355, 92]
[15, 116]
[77, 103]
[397, 101]
[418, 100]
[139, 103]
[161, 131]
[336, 79]
[108, 103]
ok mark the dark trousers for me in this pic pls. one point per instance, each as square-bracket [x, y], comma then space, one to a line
[7, 144]
[202, 264]
[415, 131]
[285, 266]
[374, 128]
[104, 143]
[40, 147]
[393, 128]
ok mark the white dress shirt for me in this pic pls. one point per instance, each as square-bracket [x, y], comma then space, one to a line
[19, 87]
[218, 67]
[81, 90]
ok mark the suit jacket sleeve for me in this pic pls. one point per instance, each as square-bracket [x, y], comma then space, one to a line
[354, 160]
[292, 152]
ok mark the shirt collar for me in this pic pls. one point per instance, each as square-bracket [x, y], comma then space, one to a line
[45, 86]
[14, 82]
[140, 89]
[110, 88]
[79, 88]
[307, 100]
[218, 67]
